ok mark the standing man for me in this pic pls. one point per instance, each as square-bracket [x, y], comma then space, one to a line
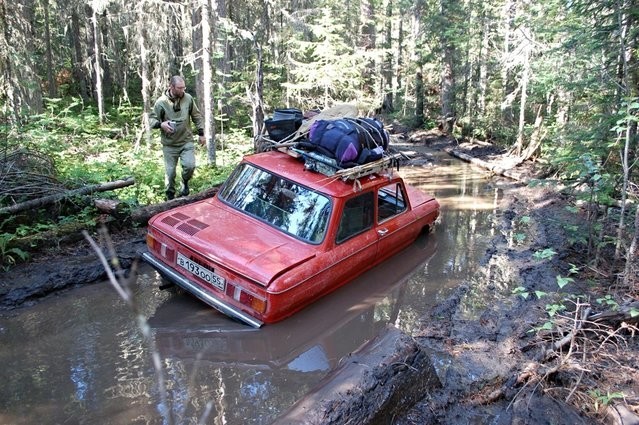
[172, 114]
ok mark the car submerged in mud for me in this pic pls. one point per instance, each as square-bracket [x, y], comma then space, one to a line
[278, 237]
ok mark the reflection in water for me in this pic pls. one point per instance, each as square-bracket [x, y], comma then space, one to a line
[80, 358]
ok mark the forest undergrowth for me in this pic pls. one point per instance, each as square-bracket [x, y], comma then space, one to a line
[560, 346]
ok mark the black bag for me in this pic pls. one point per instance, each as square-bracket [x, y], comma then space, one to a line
[289, 114]
[284, 123]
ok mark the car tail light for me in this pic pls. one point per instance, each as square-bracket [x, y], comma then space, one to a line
[160, 248]
[256, 303]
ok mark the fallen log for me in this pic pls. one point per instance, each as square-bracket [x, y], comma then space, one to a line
[505, 169]
[71, 232]
[86, 190]
[142, 215]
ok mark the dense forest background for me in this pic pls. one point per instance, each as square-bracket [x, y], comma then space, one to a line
[554, 81]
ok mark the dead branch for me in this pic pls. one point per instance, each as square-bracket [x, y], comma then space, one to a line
[578, 324]
[623, 314]
[123, 288]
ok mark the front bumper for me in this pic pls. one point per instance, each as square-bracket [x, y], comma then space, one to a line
[194, 289]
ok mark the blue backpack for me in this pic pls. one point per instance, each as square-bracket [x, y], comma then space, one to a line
[350, 141]
[338, 139]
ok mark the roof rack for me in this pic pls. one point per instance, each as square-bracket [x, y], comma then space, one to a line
[329, 167]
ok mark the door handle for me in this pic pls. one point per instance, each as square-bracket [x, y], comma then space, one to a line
[382, 232]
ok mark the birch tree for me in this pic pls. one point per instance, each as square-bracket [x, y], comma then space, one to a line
[97, 63]
[141, 31]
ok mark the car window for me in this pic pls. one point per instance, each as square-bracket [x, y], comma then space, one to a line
[390, 201]
[282, 203]
[356, 217]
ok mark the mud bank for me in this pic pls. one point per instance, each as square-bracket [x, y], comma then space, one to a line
[67, 268]
[480, 337]
[372, 386]
[496, 362]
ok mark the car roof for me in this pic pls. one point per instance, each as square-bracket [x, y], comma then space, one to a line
[293, 169]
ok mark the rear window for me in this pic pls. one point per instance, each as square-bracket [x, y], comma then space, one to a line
[282, 203]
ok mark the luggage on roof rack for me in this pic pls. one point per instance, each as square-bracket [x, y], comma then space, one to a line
[319, 163]
[351, 141]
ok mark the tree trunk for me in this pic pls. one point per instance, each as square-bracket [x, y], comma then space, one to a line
[225, 58]
[448, 89]
[447, 84]
[522, 105]
[483, 64]
[175, 43]
[387, 102]
[467, 91]
[204, 74]
[106, 82]
[77, 58]
[142, 215]
[419, 100]
[97, 67]
[632, 258]
[627, 83]
[621, 227]
[257, 98]
[535, 138]
[418, 58]
[144, 76]
[367, 43]
[400, 55]
[51, 83]
[20, 85]
[508, 23]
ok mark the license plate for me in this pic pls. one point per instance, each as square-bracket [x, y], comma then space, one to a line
[201, 272]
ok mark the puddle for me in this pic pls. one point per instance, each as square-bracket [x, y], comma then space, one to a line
[79, 357]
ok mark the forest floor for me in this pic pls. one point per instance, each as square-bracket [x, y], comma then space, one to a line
[504, 361]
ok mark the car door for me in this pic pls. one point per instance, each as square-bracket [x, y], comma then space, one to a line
[355, 246]
[394, 219]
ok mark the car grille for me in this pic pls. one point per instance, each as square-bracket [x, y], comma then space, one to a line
[184, 223]
[170, 220]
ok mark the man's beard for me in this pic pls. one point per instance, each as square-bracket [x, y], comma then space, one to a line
[175, 100]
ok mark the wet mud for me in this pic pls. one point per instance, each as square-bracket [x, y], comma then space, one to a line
[67, 267]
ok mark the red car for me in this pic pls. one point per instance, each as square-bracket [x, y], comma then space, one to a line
[277, 237]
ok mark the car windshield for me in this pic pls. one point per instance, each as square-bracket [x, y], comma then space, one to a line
[282, 203]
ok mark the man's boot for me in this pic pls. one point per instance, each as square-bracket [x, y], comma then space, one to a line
[185, 188]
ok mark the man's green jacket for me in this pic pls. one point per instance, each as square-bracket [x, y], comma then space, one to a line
[181, 111]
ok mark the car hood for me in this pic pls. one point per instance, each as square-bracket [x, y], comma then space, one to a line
[234, 240]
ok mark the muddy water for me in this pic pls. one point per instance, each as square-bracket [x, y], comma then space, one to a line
[80, 358]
